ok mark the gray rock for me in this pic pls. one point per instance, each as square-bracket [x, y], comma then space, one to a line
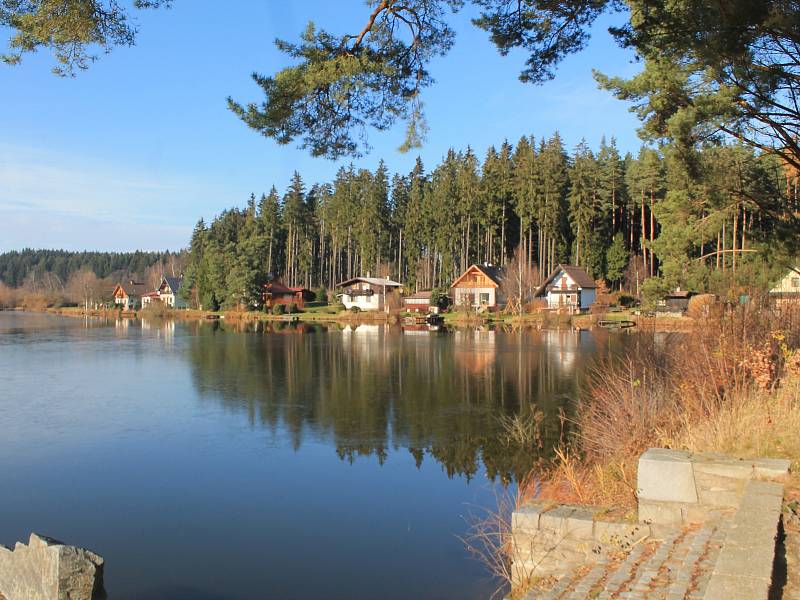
[46, 569]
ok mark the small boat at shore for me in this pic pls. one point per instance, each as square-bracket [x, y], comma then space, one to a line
[616, 324]
[429, 319]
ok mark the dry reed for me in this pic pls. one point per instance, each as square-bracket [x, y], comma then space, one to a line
[711, 389]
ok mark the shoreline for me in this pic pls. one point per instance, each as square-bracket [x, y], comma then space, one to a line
[542, 321]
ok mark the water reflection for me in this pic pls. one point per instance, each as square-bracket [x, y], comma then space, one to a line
[369, 389]
[154, 441]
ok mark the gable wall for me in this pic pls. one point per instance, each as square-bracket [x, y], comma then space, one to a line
[557, 282]
[475, 278]
[786, 284]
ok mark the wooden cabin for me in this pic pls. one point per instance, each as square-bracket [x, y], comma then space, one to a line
[568, 288]
[676, 302]
[366, 293]
[787, 291]
[128, 295]
[303, 295]
[478, 287]
[277, 293]
[418, 302]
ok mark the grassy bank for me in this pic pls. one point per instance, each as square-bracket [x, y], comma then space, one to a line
[730, 385]
[332, 313]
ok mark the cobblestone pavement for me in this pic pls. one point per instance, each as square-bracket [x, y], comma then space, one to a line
[675, 567]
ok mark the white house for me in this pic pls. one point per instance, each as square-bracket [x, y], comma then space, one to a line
[149, 298]
[478, 287]
[366, 293]
[127, 295]
[788, 289]
[568, 287]
[169, 292]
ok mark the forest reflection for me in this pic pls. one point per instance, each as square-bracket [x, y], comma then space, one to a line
[372, 389]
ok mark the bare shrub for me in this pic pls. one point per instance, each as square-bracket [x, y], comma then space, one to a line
[490, 541]
[524, 430]
[635, 274]
[394, 301]
[520, 281]
[156, 310]
[34, 301]
[701, 306]
[536, 305]
[84, 288]
[8, 296]
[629, 398]
[674, 390]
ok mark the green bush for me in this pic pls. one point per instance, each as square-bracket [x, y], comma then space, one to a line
[291, 308]
[321, 295]
[653, 289]
[355, 309]
[279, 309]
[626, 300]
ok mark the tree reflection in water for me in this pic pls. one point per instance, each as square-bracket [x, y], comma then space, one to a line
[372, 389]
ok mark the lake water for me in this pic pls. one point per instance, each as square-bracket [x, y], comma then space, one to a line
[206, 461]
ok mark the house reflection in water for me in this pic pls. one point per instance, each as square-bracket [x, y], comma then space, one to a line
[476, 349]
[370, 388]
[162, 328]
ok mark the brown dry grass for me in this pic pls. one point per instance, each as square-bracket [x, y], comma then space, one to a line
[752, 425]
[33, 301]
[712, 390]
[8, 296]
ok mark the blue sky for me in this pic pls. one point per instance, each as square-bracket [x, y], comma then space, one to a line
[133, 151]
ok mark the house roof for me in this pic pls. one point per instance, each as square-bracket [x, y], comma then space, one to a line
[778, 290]
[370, 280]
[418, 296]
[577, 274]
[174, 283]
[151, 295]
[492, 272]
[276, 287]
[132, 288]
[679, 294]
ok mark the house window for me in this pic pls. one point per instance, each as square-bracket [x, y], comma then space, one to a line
[484, 298]
[796, 282]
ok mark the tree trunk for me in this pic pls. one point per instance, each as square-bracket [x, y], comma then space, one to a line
[503, 236]
[613, 209]
[652, 234]
[644, 236]
[724, 244]
[735, 231]
[400, 258]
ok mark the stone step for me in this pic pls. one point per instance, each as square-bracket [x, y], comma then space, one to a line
[675, 567]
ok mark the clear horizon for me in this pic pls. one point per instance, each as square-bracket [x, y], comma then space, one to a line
[131, 153]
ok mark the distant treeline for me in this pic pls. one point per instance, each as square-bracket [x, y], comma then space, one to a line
[19, 267]
[721, 215]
